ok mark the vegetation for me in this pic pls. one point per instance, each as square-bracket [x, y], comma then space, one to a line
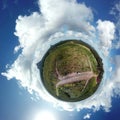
[69, 57]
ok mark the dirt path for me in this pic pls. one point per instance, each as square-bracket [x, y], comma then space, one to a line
[75, 77]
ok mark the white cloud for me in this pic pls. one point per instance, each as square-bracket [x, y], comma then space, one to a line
[106, 32]
[116, 76]
[67, 12]
[87, 116]
[59, 20]
[116, 13]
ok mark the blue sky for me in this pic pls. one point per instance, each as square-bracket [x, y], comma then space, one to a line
[30, 26]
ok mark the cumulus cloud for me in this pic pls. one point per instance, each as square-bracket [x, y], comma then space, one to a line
[75, 16]
[53, 23]
[106, 32]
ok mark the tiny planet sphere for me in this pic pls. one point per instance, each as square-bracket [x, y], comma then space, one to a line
[71, 70]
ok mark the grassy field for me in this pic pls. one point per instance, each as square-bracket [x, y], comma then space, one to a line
[70, 56]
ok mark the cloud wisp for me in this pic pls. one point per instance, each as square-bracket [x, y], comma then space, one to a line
[87, 116]
[115, 11]
[53, 23]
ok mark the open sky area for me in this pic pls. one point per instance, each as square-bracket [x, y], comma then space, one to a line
[27, 30]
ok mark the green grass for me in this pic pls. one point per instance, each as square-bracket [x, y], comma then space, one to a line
[70, 57]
